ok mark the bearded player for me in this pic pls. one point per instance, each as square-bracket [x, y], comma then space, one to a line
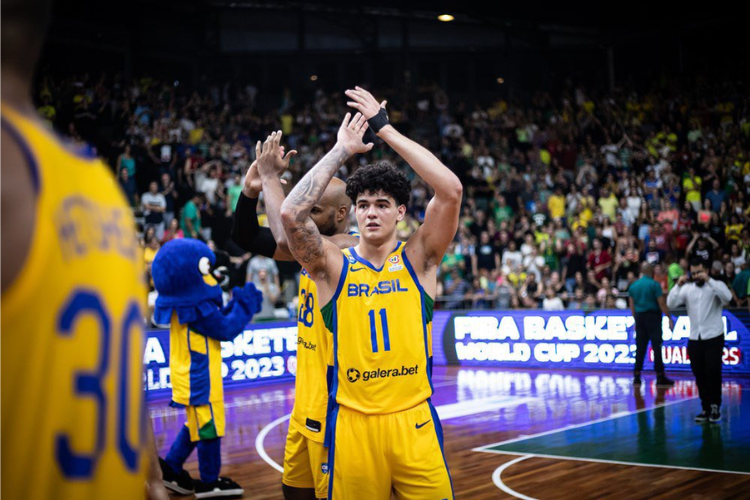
[305, 459]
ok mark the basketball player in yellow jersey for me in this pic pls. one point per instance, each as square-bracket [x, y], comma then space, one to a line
[73, 291]
[305, 459]
[383, 433]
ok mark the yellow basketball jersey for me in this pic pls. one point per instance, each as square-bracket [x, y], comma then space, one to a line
[313, 342]
[73, 335]
[381, 320]
[195, 366]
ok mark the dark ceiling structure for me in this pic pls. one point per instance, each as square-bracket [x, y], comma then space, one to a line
[286, 42]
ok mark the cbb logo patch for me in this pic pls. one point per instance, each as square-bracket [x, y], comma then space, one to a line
[324, 468]
[352, 374]
[394, 259]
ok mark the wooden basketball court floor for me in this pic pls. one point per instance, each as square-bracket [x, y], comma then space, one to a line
[529, 434]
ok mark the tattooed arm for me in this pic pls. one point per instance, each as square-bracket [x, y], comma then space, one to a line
[320, 258]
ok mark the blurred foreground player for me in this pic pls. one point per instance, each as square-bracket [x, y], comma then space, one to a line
[383, 433]
[305, 458]
[74, 422]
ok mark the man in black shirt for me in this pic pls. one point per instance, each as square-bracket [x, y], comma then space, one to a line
[485, 255]
[699, 248]
[479, 225]
[572, 263]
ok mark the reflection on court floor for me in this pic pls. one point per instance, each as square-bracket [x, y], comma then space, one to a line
[491, 416]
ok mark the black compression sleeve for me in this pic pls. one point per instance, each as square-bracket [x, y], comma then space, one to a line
[246, 231]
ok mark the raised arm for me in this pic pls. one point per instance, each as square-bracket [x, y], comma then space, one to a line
[429, 243]
[246, 231]
[676, 299]
[689, 249]
[321, 258]
[272, 163]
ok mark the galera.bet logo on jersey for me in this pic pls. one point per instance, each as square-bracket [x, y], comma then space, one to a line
[352, 374]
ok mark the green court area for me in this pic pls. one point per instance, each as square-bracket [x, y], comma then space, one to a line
[660, 436]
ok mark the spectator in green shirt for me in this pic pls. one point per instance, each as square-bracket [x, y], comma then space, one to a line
[452, 260]
[191, 217]
[234, 191]
[675, 270]
[741, 283]
[501, 209]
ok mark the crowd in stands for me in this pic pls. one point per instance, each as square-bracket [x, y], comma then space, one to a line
[565, 195]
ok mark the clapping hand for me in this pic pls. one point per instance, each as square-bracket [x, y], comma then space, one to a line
[253, 185]
[364, 102]
[270, 156]
[351, 132]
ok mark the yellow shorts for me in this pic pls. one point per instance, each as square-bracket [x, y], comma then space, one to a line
[305, 463]
[205, 421]
[400, 452]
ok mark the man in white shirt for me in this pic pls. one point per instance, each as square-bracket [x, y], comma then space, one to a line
[258, 263]
[208, 185]
[704, 298]
[154, 205]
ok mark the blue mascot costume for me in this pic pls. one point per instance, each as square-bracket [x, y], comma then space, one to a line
[190, 302]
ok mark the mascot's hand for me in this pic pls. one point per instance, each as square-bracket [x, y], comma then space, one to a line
[225, 324]
[249, 296]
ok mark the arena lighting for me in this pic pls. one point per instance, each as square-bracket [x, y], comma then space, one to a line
[446, 18]
[313, 78]
[501, 80]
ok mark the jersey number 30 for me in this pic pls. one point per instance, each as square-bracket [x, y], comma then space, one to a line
[90, 384]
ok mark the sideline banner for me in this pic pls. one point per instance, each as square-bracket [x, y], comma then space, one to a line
[264, 352]
[267, 352]
[572, 339]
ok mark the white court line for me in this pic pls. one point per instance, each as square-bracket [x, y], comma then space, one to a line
[525, 455]
[262, 436]
[445, 412]
[498, 480]
[480, 405]
[614, 416]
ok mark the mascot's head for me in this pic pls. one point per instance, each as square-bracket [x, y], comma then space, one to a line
[182, 272]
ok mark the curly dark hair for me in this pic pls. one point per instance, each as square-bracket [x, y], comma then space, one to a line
[380, 176]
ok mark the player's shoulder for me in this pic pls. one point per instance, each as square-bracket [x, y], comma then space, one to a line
[19, 188]
[46, 150]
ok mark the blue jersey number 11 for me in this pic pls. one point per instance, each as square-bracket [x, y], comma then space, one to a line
[374, 333]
